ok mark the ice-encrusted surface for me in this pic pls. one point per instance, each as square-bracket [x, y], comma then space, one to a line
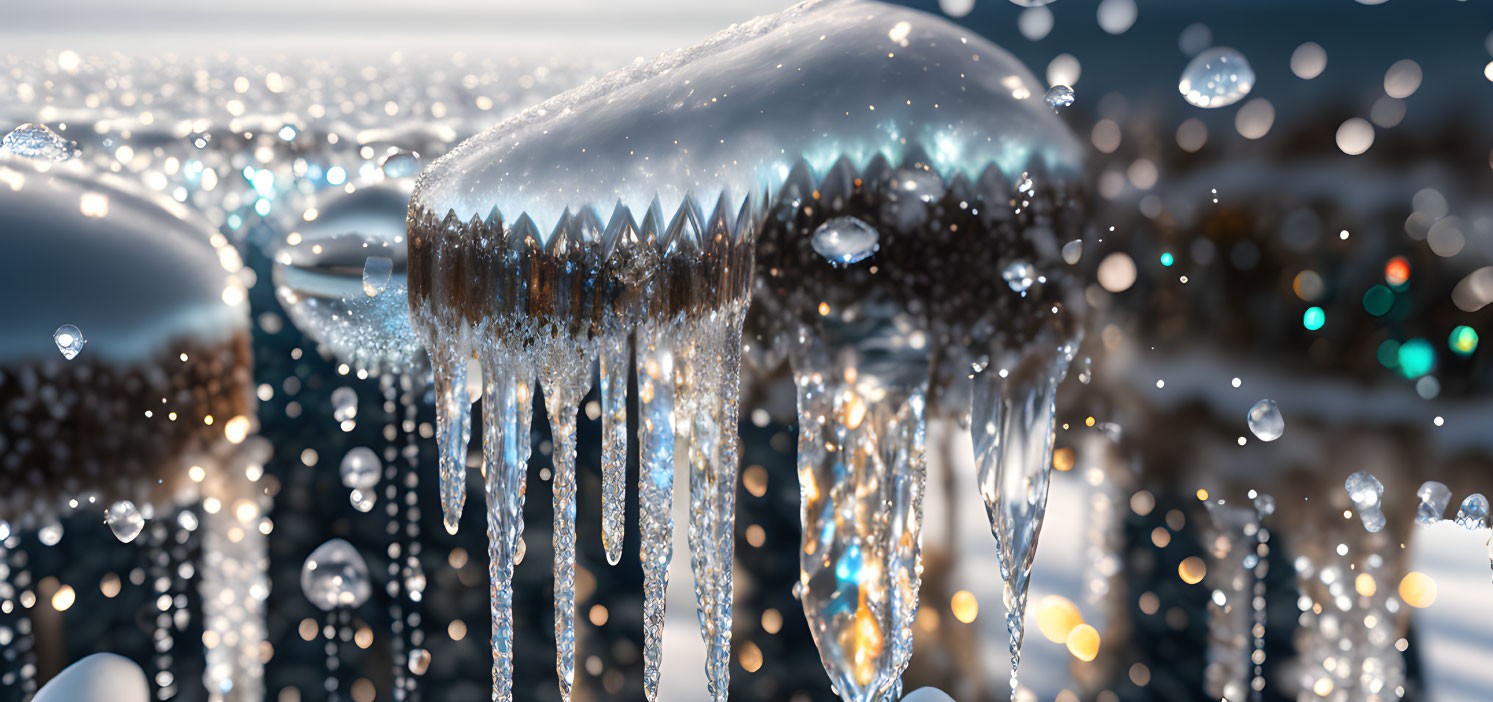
[735, 113]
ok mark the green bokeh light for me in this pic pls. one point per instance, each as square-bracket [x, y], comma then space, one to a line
[1167, 259]
[1389, 353]
[1417, 357]
[1314, 318]
[1463, 340]
[1378, 300]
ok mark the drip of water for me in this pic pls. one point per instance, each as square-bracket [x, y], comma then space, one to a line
[335, 575]
[861, 398]
[1011, 418]
[124, 520]
[655, 488]
[613, 365]
[69, 340]
[506, 415]
[453, 428]
[1366, 493]
[565, 380]
[1217, 77]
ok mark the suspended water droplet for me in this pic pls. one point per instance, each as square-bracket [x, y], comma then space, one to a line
[361, 501]
[1473, 512]
[36, 141]
[124, 520]
[344, 404]
[69, 340]
[335, 575]
[1020, 275]
[1059, 96]
[400, 164]
[360, 468]
[1217, 77]
[1072, 251]
[376, 273]
[419, 661]
[1265, 420]
[50, 534]
[1434, 497]
[1366, 493]
[845, 240]
[414, 580]
[201, 139]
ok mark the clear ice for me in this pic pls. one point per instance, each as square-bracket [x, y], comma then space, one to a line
[613, 363]
[1367, 493]
[1218, 77]
[1434, 497]
[124, 520]
[565, 376]
[1473, 513]
[1265, 420]
[335, 575]
[845, 240]
[69, 341]
[37, 141]
[1059, 97]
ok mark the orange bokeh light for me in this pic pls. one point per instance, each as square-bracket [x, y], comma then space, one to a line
[1397, 271]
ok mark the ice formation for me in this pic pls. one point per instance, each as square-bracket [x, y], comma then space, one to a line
[650, 207]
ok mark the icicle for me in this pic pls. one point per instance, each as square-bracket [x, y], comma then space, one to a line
[655, 489]
[1011, 420]
[861, 477]
[565, 380]
[706, 406]
[506, 415]
[613, 443]
[453, 430]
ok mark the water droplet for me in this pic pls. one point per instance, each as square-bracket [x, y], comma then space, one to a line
[360, 468]
[1086, 370]
[1474, 511]
[845, 240]
[376, 272]
[69, 340]
[414, 580]
[1019, 275]
[344, 404]
[1366, 493]
[335, 575]
[1216, 78]
[361, 501]
[1434, 497]
[50, 534]
[1072, 251]
[1264, 505]
[201, 139]
[1031, 3]
[1059, 96]
[400, 164]
[124, 520]
[36, 141]
[419, 661]
[1265, 420]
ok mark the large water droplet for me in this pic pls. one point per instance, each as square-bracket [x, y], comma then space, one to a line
[845, 240]
[376, 273]
[360, 468]
[419, 661]
[50, 534]
[1059, 96]
[1434, 497]
[124, 520]
[1216, 78]
[344, 403]
[1072, 251]
[1474, 511]
[1265, 420]
[1020, 275]
[400, 164]
[36, 141]
[69, 340]
[1367, 493]
[361, 500]
[335, 575]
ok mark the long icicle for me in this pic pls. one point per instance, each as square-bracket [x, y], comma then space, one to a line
[655, 362]
[613, 442]
[453, 430]
[506, 417]
[565, 379]
[1011, 419]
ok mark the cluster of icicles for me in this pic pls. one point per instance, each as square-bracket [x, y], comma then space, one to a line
[671, 294]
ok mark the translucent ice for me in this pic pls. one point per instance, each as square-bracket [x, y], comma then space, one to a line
[1217, 77]
[1366, 493]
[845, 240]
[1434, 497]
[124, 520]
[1265, 420]
[335, 575]
[1473, 513]
[400, 164]
[1059, 96]
[69, 340]
[376, 272]
[36, 141]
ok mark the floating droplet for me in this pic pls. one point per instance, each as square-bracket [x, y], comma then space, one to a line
[124, 520]
[361, 501]
[845, 240]
[1019, 275]
[36, 141]
[400, 164]
[1059, 96]
[419, 661]
[1366, 493]
[335, 575]
[344, 404]
[1072, 251]
[1434, 497]
[1473, 512]
[1216, 78]
[360, 468]
[1265, 420]
[69, 340]
[50, 534]
[376, 272]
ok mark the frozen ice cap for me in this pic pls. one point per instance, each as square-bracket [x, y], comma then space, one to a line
[735, 113]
